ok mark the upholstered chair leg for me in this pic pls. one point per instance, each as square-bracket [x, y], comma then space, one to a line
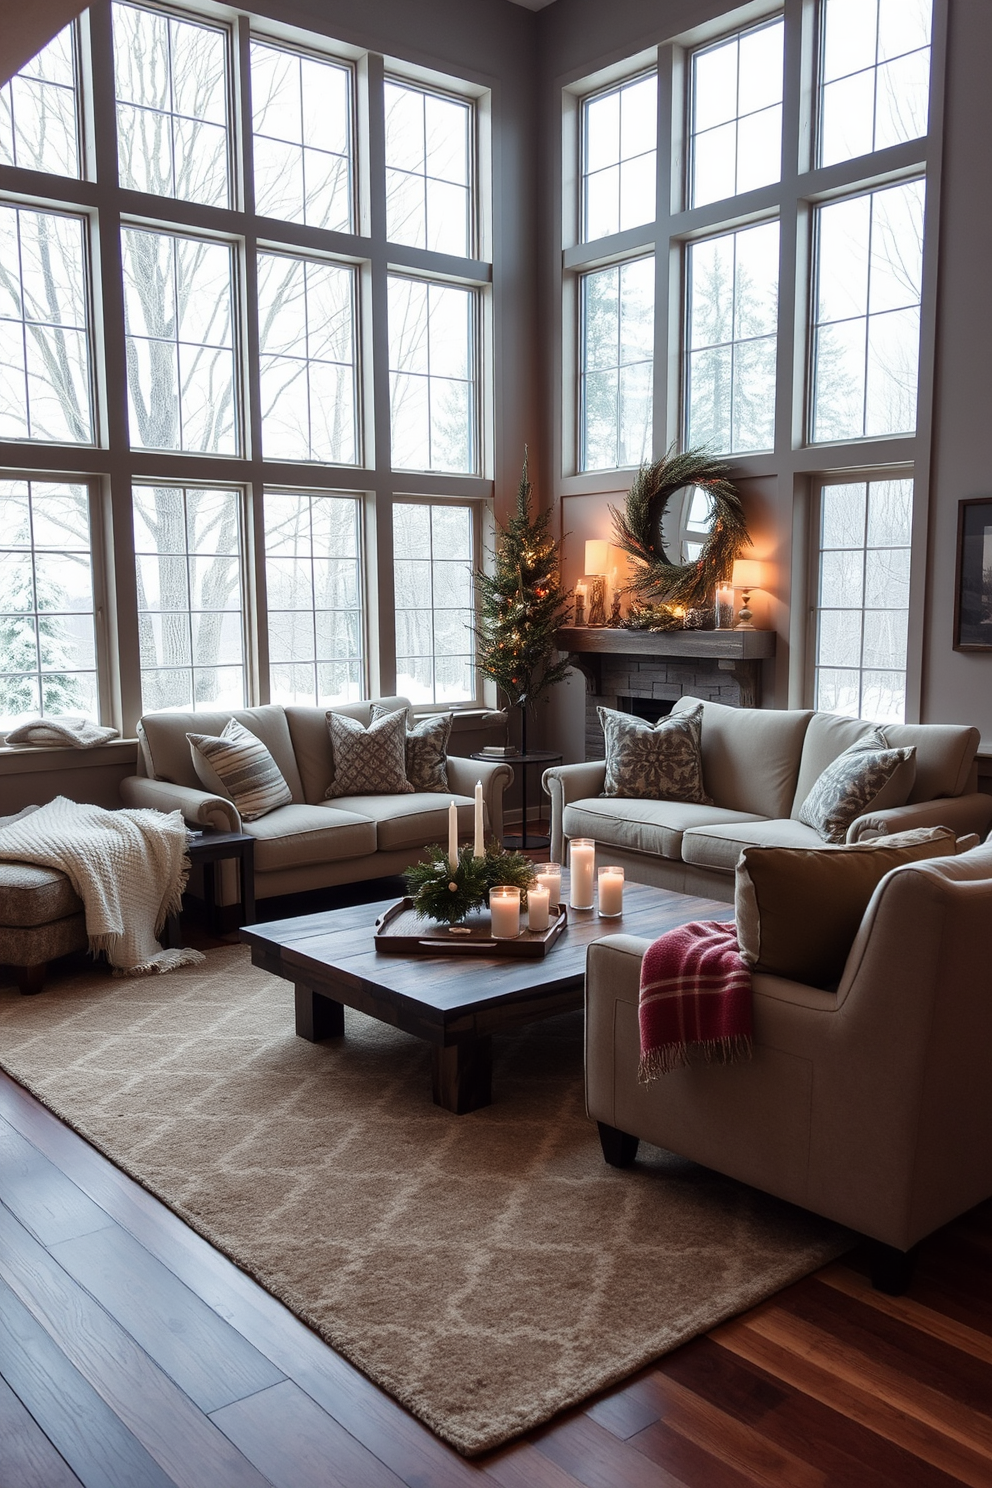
[891, 1269]
[619, 1148]
[31, 979]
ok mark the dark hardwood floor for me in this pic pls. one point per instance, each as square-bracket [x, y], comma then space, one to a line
[132, 1353]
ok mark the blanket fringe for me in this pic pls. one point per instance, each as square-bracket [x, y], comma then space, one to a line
[669, 1057]
[175, 903]
[167, 961]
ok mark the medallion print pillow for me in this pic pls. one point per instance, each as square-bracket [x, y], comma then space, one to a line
[658, 762]
[854, 781]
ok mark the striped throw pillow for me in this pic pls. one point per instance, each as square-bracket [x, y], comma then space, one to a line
[248, 774]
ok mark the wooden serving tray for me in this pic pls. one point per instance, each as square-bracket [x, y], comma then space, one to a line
[399, 932]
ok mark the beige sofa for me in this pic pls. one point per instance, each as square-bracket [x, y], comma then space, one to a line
[759, 765]
[869, 1105]
[311, 843]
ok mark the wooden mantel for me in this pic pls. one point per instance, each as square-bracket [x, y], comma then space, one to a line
[737, 651]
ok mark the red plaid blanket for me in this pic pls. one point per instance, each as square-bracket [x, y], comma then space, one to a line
[695, 989]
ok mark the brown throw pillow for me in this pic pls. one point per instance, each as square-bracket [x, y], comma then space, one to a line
[655, 762]
[868, 775]
[798, 909]
[426, 750]
[368, 761]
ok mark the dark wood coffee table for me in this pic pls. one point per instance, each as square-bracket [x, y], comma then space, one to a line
[455, 1002]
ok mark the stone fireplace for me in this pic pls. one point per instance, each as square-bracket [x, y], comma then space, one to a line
[649, 688]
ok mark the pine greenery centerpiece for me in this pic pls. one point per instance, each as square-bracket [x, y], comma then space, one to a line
[440, 892]
[522, 604]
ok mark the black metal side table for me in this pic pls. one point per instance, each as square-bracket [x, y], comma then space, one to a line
[209, 848]
[532, 757]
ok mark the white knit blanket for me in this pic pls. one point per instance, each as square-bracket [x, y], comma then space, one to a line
[129, 868]
[77, 733]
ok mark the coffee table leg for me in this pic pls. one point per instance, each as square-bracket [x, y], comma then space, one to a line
[462, 1074]
[317, 1017]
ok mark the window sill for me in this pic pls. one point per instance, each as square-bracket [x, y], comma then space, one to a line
[30, 759]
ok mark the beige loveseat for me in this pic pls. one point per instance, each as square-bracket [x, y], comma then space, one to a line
[312, 843]
[869, 1105]
[758, 766]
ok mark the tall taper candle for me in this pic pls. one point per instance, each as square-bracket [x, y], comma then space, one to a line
[480, 847]
[452, 836]
[582, 859]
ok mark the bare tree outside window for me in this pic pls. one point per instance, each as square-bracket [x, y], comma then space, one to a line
[435, 602]
[874, 75]
[428, 169]
[301, 109]
[39, 112]
[617, 365]
[432, 376]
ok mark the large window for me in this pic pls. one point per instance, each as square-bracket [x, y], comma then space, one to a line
[284, 377]
[775, 310]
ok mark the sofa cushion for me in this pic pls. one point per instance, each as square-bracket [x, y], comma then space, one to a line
[237, 765]
[719, 847]
[311, 742]
[798, 911]
[642, 826]
[295, 836]
[426, 749]
[867, 776]
[31, 895]
[657, 762]
[750, 755]
[413, 821]
[368, 761]
[944, 753]
[166, 748]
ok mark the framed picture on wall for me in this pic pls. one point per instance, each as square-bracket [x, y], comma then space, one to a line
[973, 596]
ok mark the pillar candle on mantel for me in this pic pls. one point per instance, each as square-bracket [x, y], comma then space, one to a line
[480, 848]
[452, 836]
[537, 907]
[504, 911]
[582, 861]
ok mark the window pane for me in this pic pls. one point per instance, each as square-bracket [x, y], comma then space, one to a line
[313, 585]
[172, 108]
[736, 114]
[302, 138]
[866, 330]
[428, 169]
[306, 325]
[435, 602]
[619, 155]
[874, 75]
[432, 369]
[617, 365]
[178, 315]
[863, 599]
[189, 566]
[47, 620]
[732, 340]
[45, 376]
[38, 111]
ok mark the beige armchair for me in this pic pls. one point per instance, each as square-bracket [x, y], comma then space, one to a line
[869, 1105]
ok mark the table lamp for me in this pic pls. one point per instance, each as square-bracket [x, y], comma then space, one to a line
[747, 575]
[597, 565]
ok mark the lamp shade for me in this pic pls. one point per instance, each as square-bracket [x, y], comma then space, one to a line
[748, 573]
[597, 556]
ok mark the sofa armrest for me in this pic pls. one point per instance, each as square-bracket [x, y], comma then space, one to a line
[463, 774]
[566, 783]
[199, 808]
[970, 813]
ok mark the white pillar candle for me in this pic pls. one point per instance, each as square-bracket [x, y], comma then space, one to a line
[480, 847]
[549, 874]
[582, 861]
[504, 910]
[452, 836]
[724, 607]
[537, 907]
[610, 893]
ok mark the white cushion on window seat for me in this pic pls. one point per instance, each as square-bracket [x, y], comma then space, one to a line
[293, 836]
[412, 821]
[720, 847]
[643, 826]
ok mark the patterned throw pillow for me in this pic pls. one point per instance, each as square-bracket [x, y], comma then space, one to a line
[659, 762]
[368, 762]
[426, 751]
[853, 781]
[248, 774]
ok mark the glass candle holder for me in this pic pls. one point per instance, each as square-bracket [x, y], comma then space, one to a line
[504, 910]
[610, 893]
[582, 862]
[549, 874]
[537, 907]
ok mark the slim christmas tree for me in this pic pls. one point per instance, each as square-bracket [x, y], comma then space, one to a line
[522, 605]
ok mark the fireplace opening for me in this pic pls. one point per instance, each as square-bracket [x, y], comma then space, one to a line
[650, 709]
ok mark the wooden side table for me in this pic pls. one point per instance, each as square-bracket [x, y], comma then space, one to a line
[209, 848]
[532, 757]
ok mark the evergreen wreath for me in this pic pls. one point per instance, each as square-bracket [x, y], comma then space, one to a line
[636, 528]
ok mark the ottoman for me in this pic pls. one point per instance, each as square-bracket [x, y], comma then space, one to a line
[41, 917]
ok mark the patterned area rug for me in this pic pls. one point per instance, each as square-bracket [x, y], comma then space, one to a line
[487, 1270]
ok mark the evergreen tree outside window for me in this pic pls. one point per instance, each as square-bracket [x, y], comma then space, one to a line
[617, 358]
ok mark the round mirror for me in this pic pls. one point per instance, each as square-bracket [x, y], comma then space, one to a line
[681, 522]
